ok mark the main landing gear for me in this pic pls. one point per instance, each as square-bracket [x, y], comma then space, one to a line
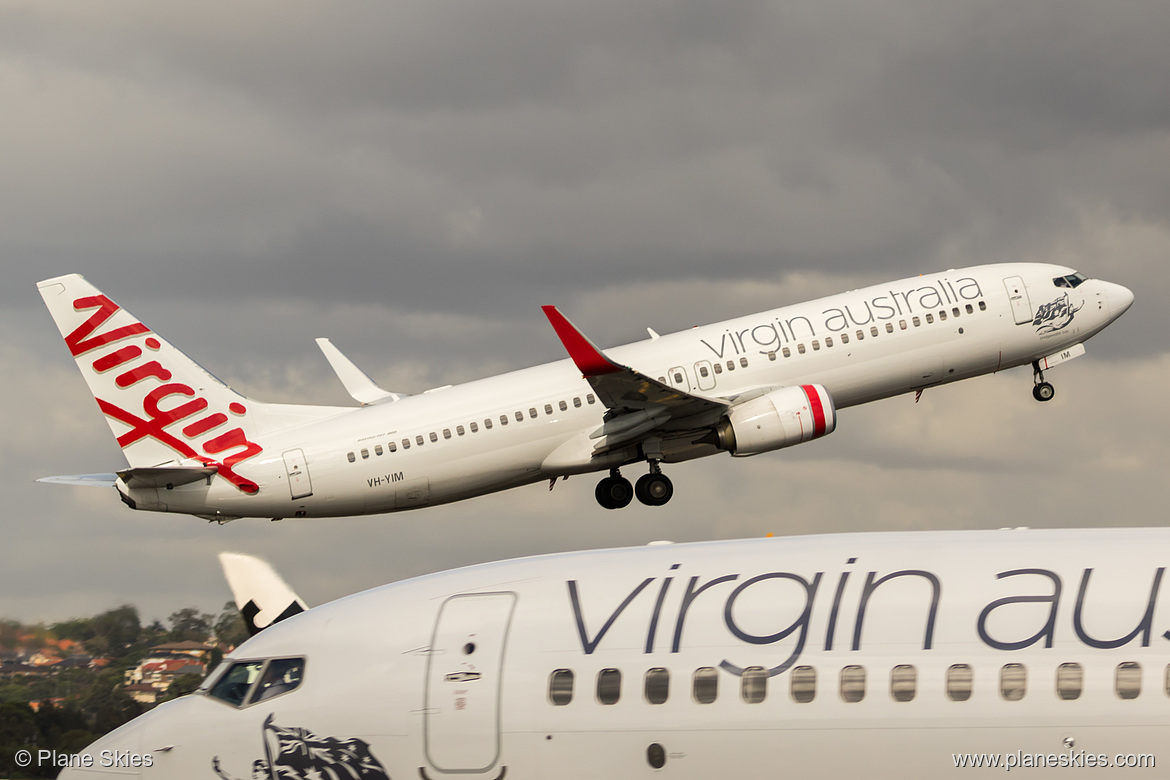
[653, 489]
[1042, 391]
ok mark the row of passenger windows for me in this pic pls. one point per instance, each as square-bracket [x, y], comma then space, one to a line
[850, 684]
[473, 427]
[842, 338]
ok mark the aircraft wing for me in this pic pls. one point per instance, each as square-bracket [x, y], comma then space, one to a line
[639, 404]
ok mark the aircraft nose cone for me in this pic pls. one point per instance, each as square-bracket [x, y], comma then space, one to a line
[1120, 299]
[117, 754]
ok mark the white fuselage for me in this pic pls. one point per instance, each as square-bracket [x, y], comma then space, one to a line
[512, 429]
[884, 655]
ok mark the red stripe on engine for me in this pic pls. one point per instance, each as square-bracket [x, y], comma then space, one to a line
[818, 409]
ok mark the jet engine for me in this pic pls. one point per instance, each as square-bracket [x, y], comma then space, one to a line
[781, 418]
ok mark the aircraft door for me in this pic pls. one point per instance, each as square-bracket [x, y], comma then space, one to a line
[298, 474]
[704, 375]
[1018, 295]
[464, 672]
[678, 378]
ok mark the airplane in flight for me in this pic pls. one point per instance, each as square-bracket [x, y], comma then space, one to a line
[744, 386]
[880, 655]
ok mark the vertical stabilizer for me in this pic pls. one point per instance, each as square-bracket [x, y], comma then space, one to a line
[162, 407]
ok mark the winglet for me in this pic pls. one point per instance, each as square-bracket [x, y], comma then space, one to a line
[357, 383]
[262, 597]
[589, 359]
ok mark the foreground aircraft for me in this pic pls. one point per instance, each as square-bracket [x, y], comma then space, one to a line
[876, 655]
[744, 386]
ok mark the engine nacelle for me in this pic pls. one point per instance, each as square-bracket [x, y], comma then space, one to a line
[779, 419]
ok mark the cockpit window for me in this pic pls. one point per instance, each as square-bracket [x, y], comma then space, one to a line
[234, 685]
[262, 679]
[1072, 280]
[281, 676]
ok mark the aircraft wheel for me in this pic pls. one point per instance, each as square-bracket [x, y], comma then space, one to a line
[614, 492]
[1043, 392]
[654, 489]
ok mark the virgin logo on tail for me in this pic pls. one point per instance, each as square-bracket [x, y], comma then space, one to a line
[153, 420]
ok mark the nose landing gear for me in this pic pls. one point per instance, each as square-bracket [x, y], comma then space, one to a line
[1042, 391]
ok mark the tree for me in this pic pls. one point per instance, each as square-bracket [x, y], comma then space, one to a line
[230, 629]
[190, 625]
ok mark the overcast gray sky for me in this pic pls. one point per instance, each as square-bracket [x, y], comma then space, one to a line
[413, 179]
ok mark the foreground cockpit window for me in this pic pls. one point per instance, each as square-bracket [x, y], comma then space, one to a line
[262, 679]
[234, 684]
[280, 676]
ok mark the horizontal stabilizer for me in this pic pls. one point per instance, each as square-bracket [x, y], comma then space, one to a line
[84, 480]
[166, 476]
[262, 597]
[357, 383]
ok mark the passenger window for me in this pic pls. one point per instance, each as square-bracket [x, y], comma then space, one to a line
[969, 309]
[532, 412]
[350, 457]
[982, 306]
[434, 437]
[917, 322]
[560, 687]
[1013, 681]
[800, 348]
[860, 335]
[929, 319]
[1070, 680]
[942, 316]
[873, 331]
[852, 683]
[903, 682]
[503, 419]
[609, 686]
[564, 407]
[548, 408]
[786, 352]
[730, 365]
[520, 415]
[406, 444]
[889, 327]
[960, 678]
[365, 454]
[282, 675]
[1128, 680]
[772, 354]
[718, 368]
[446, 433]
[955, 311]
[743, 362]
[233, 686]
[844, 338]
[705, 684]
[902, 324]
[657, 685]
[828, 341]
[392, 446]
[577, 402]
[460, 430]
[377, 449]
[590, 399]
[678, 378]
[418, 440]
[804, 684]
[816, 345]
[474, 427]
[754, 684]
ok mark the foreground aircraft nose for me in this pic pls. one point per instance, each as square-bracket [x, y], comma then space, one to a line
[1120, 298]
[117, 754]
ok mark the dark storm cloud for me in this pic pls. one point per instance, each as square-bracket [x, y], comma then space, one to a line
[414, 179]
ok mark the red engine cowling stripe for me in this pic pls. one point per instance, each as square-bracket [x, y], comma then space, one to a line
[818, 409]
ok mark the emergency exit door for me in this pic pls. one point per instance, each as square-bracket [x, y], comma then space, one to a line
[299, 484]
[464, 672]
